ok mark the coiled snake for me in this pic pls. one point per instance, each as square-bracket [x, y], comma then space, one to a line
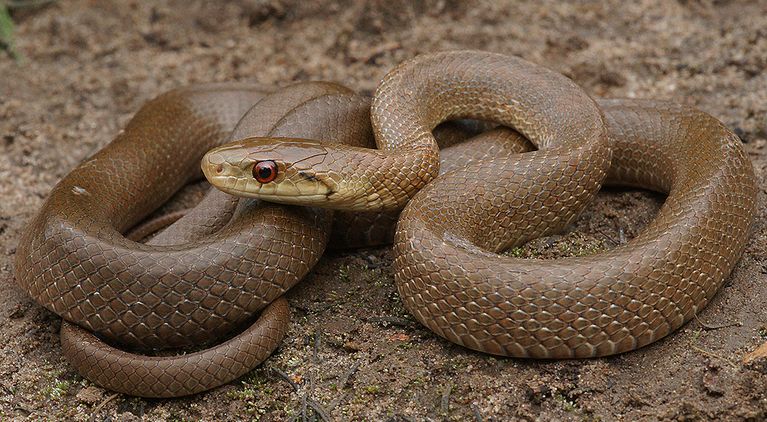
[74, 260]
[447, 268]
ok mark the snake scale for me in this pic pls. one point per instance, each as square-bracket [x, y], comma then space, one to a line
[449, 270]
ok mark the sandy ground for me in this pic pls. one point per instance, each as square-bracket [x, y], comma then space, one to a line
[89, 65]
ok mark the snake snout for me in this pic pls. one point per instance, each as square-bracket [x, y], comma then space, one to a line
[221, 171]
[212, 165]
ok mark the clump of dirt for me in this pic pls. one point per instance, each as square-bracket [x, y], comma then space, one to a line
[353, 352]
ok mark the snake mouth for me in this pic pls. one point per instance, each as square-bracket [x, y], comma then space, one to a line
[244, 188]
[303, 200]
[278, 199]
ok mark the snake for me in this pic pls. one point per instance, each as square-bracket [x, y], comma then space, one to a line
[222, 263]
[450, 268]
[205, 276]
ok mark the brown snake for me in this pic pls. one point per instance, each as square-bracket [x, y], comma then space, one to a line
[205, 275]
[208, 272]
[74, 260]
[448, 269]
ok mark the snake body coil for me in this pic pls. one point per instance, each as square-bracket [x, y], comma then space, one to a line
[447, 267]
[229, 259]
[208, 273]
[451, 278]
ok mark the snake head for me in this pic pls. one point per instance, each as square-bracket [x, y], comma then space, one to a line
[280, 170]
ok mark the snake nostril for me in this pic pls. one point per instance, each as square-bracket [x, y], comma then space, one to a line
[219, 168]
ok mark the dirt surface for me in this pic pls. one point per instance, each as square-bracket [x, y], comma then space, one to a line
[352, 349]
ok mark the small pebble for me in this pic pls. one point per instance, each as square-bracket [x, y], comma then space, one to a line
[352, 346]
[90, 395]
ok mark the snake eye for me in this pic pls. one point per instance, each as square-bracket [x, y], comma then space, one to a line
[265, 171]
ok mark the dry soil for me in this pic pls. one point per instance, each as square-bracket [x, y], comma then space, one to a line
[87, 66]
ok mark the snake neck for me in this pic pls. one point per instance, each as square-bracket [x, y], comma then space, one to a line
[375, 180]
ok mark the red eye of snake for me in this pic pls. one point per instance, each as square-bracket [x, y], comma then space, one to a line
[265, 171]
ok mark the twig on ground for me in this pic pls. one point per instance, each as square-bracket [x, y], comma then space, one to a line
[316, 349]
[714, 355]
[282, 375]
[477, 414]
[336, 401]
[349, 374]
[341, 385]
[101, 405]
[318, 409]
[445, 403]
[306, 402]
[708, 327]
[608, 237]
[19, 408]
